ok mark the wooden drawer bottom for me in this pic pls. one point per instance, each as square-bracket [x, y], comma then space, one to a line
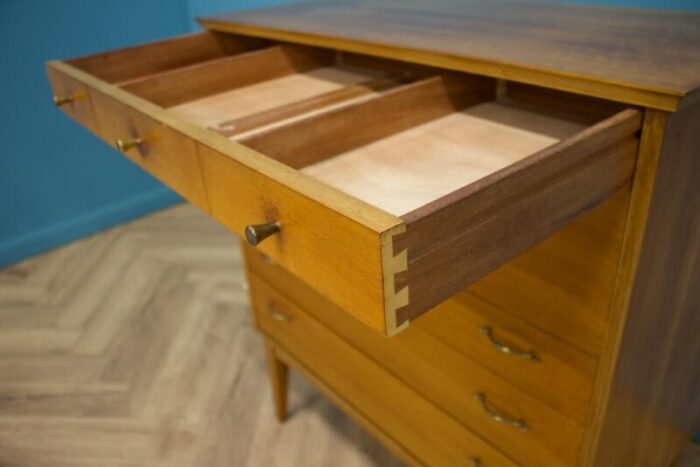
[413, 423]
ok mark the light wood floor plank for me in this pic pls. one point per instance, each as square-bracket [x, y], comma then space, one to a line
[135, 347]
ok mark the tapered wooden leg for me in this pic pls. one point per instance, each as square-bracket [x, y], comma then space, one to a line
[279, 378]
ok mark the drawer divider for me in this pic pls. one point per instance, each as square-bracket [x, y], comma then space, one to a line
[301, 143]
[239, 126]
[173, 87]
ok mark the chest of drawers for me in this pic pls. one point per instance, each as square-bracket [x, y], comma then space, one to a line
[474, 225]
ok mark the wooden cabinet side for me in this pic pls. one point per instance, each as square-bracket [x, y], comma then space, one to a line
[647, 398]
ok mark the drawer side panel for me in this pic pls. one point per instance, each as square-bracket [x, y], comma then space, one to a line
[491, 222]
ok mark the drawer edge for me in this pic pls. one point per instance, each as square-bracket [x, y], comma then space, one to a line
[350, 207]
[344, 227]
[493, 221]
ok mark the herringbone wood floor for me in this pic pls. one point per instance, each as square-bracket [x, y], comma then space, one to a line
[135, 347]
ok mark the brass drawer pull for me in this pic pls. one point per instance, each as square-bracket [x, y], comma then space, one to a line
[124, 145]
[58, 101]
[496, 417]
[267, 260]
[506, 348]
[476, 462]
[277, 314]
[257, 233]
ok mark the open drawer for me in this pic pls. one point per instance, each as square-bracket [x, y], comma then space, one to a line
[386, 186]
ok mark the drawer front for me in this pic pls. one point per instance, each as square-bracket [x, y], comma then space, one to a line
[564, 285]
[446, 376]
[411, 421]
[72, 97]
[162, 151]
[339, 257]
[545, 367]
[320, 228]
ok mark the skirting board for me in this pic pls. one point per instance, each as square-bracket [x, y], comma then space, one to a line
[54, 235]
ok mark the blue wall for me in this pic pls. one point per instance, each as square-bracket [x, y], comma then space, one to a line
[57, 181]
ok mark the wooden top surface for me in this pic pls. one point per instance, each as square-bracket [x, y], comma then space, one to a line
[640, 56]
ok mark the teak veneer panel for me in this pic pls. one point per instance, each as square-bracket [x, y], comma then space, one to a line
[565, 284]
[421, 359]
[341, 258]
[491, 221]
[648, 406]
[323, 136]
[123, 65]
[167, 154]
[614, 53]
[423, 430]
[562, 377]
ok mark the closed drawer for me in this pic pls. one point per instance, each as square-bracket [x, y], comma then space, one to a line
[562, 308]
[415, 424]
[546, 368]
[443, 375]
[388, 187]
[564, 285]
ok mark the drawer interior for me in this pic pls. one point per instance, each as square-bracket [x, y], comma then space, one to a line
[415, 166]
[395, 135]
[418, 180]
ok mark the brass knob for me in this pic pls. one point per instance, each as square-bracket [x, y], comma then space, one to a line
[58, 101]
[476, 462]
[257, 233]
[124, 145]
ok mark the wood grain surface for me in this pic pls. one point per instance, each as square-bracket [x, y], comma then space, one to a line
[489, 222]
[414, 423]
[648, 405]
[124, 65]
[202, 79]
[441, 371]
[556, 288]
[166, 154]
[644, 56]
[411, 168]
